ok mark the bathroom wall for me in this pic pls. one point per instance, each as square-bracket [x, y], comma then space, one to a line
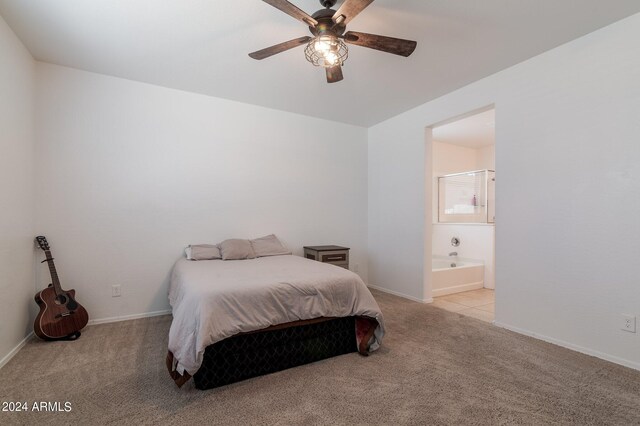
[446, 159]
[486, 157]
[477, 240]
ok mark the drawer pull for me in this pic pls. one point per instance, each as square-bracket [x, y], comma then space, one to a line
[334, 258]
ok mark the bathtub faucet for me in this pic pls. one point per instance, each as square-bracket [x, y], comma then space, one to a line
[453, 253]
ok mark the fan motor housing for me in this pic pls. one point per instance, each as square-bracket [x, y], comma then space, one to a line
[328, 3]
[325, 23]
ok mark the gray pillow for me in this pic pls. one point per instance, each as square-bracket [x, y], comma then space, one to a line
[268, 246]
[203, 252]
[236, 249]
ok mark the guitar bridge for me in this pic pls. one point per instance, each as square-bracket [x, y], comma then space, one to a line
[64, 314]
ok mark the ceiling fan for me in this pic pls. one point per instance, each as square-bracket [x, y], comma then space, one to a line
[327, 47]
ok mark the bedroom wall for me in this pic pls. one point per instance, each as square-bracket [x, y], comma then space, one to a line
[568, 237]
[131, 173]
[17, 190]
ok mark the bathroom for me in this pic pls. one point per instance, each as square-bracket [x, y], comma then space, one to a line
[463, 231]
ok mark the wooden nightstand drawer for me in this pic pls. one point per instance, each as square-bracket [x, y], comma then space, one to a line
[335, 255]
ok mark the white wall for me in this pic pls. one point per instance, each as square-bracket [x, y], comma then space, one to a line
[398, 208]
[16, 191]
[131, 173]
[566, 245]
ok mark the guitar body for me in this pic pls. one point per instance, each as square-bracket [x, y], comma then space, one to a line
[60, 315]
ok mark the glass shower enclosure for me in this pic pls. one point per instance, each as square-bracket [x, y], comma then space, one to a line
[467, 197]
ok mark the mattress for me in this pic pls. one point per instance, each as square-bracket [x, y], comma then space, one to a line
[214, 299]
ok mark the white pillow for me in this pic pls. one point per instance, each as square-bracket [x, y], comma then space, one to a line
[268, 246]
[203, 252]
[236, 249]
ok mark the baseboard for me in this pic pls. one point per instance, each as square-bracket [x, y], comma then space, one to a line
[577, 348]
[404, 296]
[20, 345]
[457, 289]
[15, 350]
[129, 317]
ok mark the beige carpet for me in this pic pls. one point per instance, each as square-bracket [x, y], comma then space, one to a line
[435, 367]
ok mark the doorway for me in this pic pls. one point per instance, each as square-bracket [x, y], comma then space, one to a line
[463, 176]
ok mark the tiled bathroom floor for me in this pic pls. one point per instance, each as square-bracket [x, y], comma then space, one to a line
[478, 304]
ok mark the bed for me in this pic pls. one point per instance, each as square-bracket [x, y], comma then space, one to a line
[237, 319]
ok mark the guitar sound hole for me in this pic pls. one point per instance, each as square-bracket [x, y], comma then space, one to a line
[72, 305]
[61, 299]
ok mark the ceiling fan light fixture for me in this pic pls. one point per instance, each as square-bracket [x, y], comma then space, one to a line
[327, 48]
[327, 51]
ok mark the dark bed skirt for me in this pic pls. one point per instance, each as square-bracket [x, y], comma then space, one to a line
[254, 354]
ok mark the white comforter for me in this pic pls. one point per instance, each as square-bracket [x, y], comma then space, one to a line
[216, 299]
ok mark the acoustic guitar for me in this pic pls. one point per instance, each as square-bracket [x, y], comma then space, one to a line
[61, 317]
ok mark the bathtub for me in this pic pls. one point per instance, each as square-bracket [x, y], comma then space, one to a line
[467, 274]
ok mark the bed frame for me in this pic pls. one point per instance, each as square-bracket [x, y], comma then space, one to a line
[277, 348]
[254, 354]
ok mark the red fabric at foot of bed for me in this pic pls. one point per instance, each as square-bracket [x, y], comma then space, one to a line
[365, 327]
[180, 379]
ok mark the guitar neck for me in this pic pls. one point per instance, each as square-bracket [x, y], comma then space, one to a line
[54, 274]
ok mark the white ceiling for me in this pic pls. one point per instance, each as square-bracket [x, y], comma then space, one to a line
[475, 131]
[202, 45]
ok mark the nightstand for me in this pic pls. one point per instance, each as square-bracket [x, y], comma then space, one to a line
[335, 255]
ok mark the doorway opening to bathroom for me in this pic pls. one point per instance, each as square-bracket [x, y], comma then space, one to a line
[463, 176]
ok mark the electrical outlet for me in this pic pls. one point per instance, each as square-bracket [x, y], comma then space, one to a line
[116, 290]
[628, 323]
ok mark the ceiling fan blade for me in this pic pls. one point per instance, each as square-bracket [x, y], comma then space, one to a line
[292, 10]
[279, 48]
[334, 74]
[397, 46]
[349, 10]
